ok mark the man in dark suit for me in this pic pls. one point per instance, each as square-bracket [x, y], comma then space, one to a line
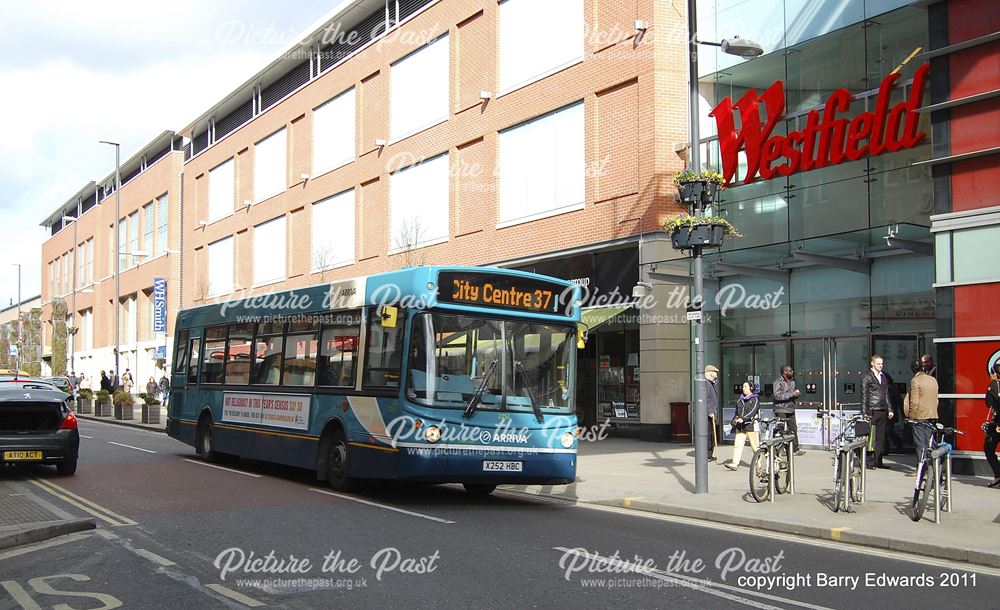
[875, 405]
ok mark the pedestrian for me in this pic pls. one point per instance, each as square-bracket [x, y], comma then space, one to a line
[74, 383]
[745, 424]
[105, 382]
[712, 406]
[127, 381]
[165, 388]
[992, 425]
[875, 406]
[152, 388]
[785, 395]
[921, 404]
[927, 364]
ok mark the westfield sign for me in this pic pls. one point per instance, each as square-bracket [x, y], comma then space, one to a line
[826, 139]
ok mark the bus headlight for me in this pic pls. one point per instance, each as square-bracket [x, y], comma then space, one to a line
[567, 440]
[432, 434]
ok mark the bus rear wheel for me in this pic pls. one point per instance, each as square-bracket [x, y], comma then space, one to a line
[206, 440]
[337, 463]
[478, 489]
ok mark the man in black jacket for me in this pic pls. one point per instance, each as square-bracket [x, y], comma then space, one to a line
[875, 405]
[785, 395]
[992, 427]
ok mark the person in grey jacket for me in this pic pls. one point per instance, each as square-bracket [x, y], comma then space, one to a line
[784, 403]
[712, 406]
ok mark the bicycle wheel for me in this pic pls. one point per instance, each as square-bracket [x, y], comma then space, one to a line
[782, 469]
[855, 481]
[760, 483]
[921, 493]
[838, 494]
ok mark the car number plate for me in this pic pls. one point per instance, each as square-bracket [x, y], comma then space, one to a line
[501, 466]
[22, 455]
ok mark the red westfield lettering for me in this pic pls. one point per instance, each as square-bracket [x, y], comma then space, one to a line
[826, 139]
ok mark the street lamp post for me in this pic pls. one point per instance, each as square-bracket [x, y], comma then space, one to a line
[72, 353]
[747, 50]
[17, 362]
[117, 261]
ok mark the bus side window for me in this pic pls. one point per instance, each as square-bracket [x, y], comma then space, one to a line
[384, 353]
[300, 354]
[238, 354]
[193, 355]
[180, 356]
[338, 350]
[215, 355]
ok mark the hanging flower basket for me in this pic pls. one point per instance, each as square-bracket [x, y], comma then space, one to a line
[695, 187]
[686, 231]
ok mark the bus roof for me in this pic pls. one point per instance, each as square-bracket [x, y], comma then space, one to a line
[483, 289]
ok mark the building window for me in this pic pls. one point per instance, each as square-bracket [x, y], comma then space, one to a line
[147, 228]
[333, 231]
[419, 204]
[81, 264]
[269, 251]
[542, 166]
[220, 267]
[122, 244]
[419, 84]
[65, 274]
[162, 224]
[333, 133]
[52, 280]
[133, 239]
[967, 248]
[87, 329]
[221, 190]
[537, 39]
[269, 173]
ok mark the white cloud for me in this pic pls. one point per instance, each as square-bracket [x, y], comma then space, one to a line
[75, 73]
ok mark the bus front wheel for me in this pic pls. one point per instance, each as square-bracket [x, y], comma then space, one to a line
[337, 464]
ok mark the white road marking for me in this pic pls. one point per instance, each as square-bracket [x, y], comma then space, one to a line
[85, 436]
[38, 546]
[131, 447]
[770, 535]
[104, 514]
[107, 534]
[150, 555]
[248, 474]
[385, 506]
[233, 595]
[20, 595]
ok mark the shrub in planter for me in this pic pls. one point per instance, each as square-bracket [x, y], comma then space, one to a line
[103, 405]
[150, 409]
[85, 401]
[124, 404]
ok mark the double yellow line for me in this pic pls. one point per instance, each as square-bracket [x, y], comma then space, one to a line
[108, 516]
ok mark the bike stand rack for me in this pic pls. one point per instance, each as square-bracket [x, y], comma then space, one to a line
[940, 494]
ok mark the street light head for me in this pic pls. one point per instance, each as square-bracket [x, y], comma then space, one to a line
[741, 47]
[109, 142]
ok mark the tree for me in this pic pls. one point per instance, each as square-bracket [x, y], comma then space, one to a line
[409, 240]
[59, 336]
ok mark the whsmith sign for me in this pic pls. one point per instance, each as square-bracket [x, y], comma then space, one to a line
[826, 140]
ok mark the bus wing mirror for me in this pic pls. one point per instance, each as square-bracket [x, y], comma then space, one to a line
[387, 315]
[581, 337]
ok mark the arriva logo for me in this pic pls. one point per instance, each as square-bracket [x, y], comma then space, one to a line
[507, 437]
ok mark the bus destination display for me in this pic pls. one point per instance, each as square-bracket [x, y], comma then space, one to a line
[503, 291]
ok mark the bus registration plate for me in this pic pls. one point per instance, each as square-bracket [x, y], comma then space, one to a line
[501, 466]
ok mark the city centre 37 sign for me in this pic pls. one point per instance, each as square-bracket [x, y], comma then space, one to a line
[826, 140]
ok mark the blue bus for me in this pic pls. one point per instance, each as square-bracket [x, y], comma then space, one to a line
[427, 374]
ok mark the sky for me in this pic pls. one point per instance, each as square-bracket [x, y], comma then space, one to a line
[74, 73]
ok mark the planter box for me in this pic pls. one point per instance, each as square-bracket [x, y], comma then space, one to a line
[701, 190]
[124, 412]
[150, 414]
[103, 409]
[85, 405]
[698, 235]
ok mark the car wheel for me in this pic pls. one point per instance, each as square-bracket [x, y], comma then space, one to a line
[67, 467]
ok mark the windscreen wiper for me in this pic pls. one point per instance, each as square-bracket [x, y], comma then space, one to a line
[471, 407]
[527, 388]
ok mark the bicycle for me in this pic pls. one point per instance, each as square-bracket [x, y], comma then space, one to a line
[771, 465]
[931, 474]
[849, 461]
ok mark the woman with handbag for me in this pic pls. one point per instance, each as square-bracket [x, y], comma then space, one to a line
[744, 425]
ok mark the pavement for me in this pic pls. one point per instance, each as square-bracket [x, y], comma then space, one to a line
[659, 478]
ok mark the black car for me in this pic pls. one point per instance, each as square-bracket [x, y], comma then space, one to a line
[37, 425]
